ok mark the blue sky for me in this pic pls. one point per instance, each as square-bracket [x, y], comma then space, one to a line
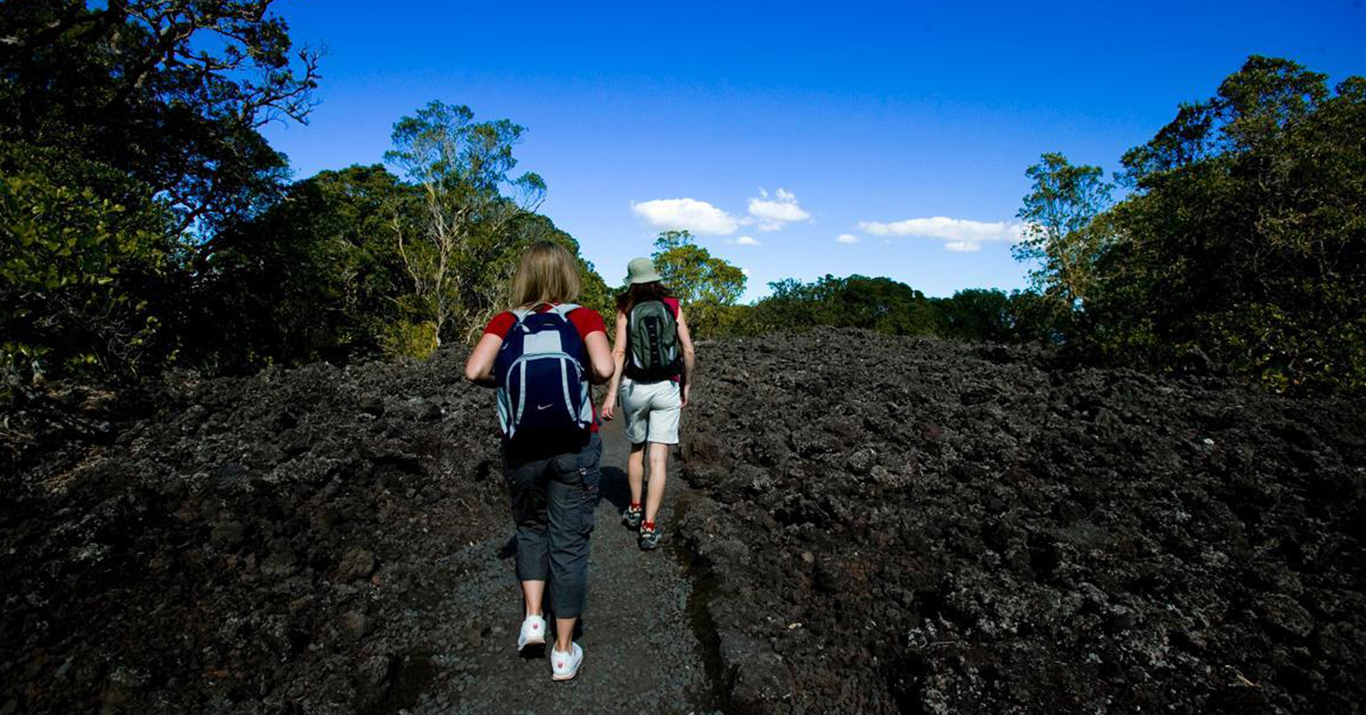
[904, 129]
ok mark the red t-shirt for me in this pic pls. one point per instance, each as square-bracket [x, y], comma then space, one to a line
[587, 322]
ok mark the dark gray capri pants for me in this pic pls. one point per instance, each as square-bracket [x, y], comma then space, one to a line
[554, 496]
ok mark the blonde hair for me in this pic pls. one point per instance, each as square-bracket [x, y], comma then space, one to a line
[547, 273]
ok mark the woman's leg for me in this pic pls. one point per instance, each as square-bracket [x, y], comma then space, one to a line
[635, 471]
[533, 592]
[529, 514]
[564, 634]
[665, 405]
[635, 409]
[573, 497]
[659, 459]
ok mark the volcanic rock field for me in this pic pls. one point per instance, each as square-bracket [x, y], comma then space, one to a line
[911, 525]
[867, 524]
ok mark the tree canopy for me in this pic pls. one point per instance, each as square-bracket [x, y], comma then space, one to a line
[147, 222]
[462, 169]
[1243, 240]
[706, 286]
[173, 93]
[1060, 233]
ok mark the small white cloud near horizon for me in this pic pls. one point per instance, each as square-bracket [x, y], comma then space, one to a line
[699, 217]
[747, 241]
[773, 213]
[847, 238]
[959, 235]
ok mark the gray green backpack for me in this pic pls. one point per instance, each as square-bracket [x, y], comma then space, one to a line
[652, 332]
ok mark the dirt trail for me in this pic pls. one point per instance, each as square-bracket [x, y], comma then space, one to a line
[641, 651]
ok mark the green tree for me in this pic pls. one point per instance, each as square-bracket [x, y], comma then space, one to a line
[487, 290]
[316, 277]
[1039, 318]
[462, 168]
[788, 306]
[74, 268]
[976, 314]
[706, 286]
[134, 125]
[1244, 240]
[1253, 109]
[1060, 233]
[171, 92]
[319, 277]
[880, 304]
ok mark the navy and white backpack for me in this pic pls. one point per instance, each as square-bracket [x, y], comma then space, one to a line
[541, 382]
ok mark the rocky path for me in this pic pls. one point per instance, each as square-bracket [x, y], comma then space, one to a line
[641, 651]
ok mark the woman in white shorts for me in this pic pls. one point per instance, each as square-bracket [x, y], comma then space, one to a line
[651, 379]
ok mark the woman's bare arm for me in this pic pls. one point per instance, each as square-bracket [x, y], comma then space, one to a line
[689, 356]
[609, 406]
[479, 366]
[600, 355]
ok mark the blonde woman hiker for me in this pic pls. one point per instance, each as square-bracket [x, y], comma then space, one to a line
[653, 357]
[542, 355]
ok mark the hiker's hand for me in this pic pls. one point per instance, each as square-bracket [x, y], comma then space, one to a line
[684, 402]
[609, 408]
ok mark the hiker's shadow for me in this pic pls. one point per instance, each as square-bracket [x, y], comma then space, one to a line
[614, 488]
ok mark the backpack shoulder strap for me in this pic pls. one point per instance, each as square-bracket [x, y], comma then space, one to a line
[563, 309]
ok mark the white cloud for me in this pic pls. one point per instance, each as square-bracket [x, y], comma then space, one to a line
[745, 271]
[699, 217]
[962, 235]
[747, 241]
[847, 238]
[772, 213]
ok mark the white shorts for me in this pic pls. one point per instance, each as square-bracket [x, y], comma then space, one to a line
[651, 410]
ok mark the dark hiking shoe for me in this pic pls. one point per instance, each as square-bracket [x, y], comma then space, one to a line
[632, 516]
[649, 538]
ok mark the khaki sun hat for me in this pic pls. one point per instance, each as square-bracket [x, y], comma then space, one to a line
[641, 270]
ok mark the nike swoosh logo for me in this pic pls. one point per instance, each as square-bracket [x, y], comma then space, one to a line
[545, 407]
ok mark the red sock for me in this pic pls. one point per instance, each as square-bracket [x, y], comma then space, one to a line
[648, 525]
[635, 505]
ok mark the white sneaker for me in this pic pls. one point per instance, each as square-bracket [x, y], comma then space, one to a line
[564, 666]
[533, 632]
